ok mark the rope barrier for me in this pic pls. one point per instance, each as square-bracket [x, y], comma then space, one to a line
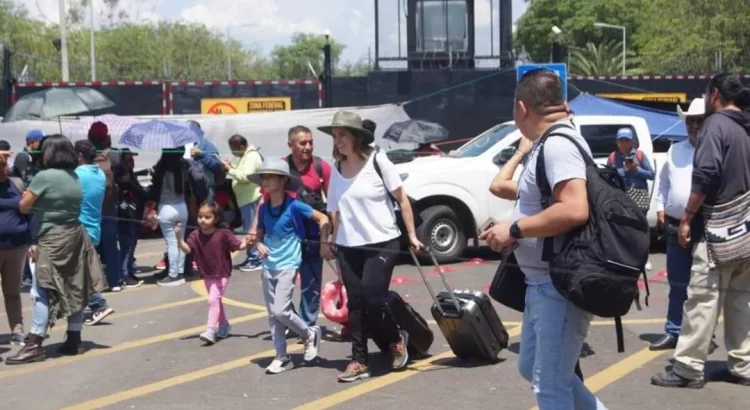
[459, 259]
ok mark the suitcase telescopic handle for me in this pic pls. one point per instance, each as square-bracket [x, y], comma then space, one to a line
[442, 278]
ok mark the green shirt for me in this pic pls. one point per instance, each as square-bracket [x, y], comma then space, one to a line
[246, 191]
[59, 201]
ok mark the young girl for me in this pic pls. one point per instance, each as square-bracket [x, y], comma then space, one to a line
[212, 245]
[280, 230]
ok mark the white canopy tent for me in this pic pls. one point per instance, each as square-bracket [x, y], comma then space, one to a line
[267, 131]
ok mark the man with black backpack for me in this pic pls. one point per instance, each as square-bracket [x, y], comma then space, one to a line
[554, 329]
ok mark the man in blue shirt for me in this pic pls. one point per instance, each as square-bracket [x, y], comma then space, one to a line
[93, 187]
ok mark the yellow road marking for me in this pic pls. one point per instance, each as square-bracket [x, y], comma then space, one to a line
[174, 381]
[593, 323]
[145, 310]
[382, 381]
[28, 368]
[200, 289]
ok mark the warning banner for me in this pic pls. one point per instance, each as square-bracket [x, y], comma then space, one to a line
[245, 105]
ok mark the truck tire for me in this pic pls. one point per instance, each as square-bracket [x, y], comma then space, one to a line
[441, 231]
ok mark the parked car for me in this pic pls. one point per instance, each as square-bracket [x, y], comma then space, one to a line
[451, 192]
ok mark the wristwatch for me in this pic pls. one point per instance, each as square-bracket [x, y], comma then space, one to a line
[515, 231]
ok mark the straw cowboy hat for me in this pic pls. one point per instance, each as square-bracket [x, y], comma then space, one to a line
[274, 166]
[352, 121]
[697, 108]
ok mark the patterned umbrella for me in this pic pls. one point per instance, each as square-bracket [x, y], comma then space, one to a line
[160, 134]
[116, 124]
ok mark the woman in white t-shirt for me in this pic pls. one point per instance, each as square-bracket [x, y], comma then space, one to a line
[367, 237]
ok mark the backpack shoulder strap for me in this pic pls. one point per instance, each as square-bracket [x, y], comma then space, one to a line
[611, 159]
[541, 178]
[380, 172]
[318, 164]
[292, 168]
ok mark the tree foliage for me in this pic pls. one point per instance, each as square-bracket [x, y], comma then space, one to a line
[689, 37]
[663, 36]
[600, 59]
[163, 50]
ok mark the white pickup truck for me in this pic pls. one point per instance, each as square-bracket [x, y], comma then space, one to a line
[452, 192]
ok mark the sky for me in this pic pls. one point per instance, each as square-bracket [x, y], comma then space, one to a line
[266, 23]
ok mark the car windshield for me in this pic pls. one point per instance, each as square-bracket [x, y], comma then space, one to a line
[484, 141]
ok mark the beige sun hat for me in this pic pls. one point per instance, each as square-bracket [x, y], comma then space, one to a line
[350, 120]
[697, 108]
[274, 166]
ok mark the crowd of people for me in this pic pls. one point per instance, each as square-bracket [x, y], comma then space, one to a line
[71, 214]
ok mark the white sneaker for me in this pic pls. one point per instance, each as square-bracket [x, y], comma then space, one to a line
[208, 337]
[224, 331]
[278, 365]
[98, 316]
[648, 265]
[312, 343]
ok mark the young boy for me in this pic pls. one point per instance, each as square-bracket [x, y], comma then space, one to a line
[279, 233]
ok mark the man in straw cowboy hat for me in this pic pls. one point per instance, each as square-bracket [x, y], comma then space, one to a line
[674, 189]
[279, 235]
[714, 226]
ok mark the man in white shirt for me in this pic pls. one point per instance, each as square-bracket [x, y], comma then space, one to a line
[674, 190]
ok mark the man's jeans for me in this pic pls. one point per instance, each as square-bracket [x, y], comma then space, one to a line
[552, 336]
[97, 302]
[311, 276]
[108, 249]
[679, 261]
[127, 234]
[248, 215]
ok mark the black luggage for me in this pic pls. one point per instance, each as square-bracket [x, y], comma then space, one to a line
[467, 319]
[408, 319]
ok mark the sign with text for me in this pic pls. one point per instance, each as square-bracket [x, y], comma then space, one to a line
[245, 105]
[560, 69]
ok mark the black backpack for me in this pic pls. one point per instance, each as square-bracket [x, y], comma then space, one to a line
[316, 199]
[598, 266]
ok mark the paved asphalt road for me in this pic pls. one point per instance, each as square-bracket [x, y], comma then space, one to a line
[147, 356]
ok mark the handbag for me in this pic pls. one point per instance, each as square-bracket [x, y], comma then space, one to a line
[728, 230]
[508, 286]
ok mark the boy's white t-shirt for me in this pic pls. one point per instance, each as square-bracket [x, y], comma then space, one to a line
[365, 208]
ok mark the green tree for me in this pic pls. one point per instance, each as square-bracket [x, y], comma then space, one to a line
[601, 59]
[687, 37]
[357, 69]
[576, 19]
[291, 62]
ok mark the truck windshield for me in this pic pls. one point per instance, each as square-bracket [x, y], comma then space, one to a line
[484, 141]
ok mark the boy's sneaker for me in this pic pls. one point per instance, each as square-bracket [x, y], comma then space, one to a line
[224, 330]
[251, 267]
[278, 365]
[354, 371]
[209, 336]
[312, 344]
[115, 289]
[98, 316]
[131, 282]
[399, 352]
[170, 281]
[27, 283]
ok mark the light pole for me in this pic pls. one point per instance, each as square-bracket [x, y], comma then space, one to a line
[92, 52]
[63, 41]
[624, 47]
[229, 49]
